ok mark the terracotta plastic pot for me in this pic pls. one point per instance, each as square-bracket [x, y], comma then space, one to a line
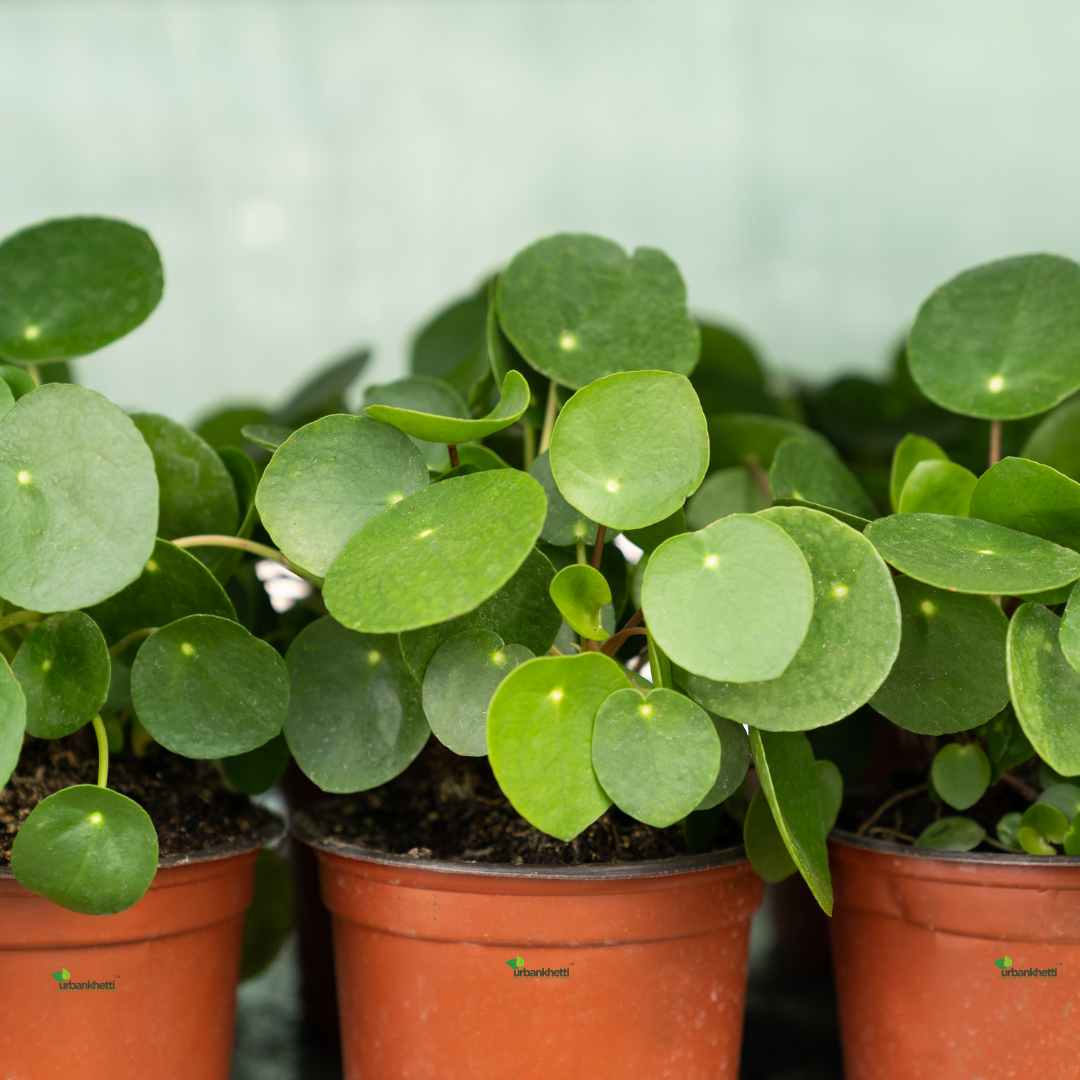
[916, 936]
[456, 971]
[163, 975]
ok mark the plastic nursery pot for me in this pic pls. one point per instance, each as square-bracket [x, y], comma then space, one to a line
[953, 964]
[162, 975]
[463, 971]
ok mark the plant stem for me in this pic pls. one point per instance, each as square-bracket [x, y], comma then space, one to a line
[452, 449]
[103, 751]
[885, 806]
[529, 439]
[213, 540]
[34, 373]
[17, 617]
[758, 475]
[659, 666]
[614, 643]
[130, 639]
[1020, 787]
[581, 556]
[995, 443]
[598, 546]
[549, 415]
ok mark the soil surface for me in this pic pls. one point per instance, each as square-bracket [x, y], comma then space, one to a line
[449, 807]
[186, 800]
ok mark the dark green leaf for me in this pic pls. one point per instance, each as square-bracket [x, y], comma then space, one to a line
[563, 524]
[728, 377]
[1006, 742]
[481, 457]
[813, 472]
[952, 834]
[938, 487]
[452, 346]
[579, 592]
[503, 357]
[652, 536]
[17, 381]
[1069, 628]
[857, 523]
[225, 427]
[268, 436]
[738, 438]
[726, 491]
[222, 562]
[1072, 837]
[831, 788]
[323, 393]
[961, 774]
[765, 847]
[734, 761]
[1008, 831]
[419, 393]
[269, 920]
[12, 722]
[1056, 441]
[910, 450]
[257, 770]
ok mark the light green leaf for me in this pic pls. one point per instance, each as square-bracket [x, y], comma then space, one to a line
[938, 487]
[971, 556]
[1065, 798]
[18, 381]
[580, 592]
[459, 683]
[64, 671]
[656, 756]
[481, 457]
[78, 498]
[540, 727]
[732, 602]
[268, 436]
[355, 715]
[579, 308]
[629, 448]
[961, 774]
[257, 770]
[419, 393]
[1056, 441]
[850, 520]
[563, 525]
[812, 471]
[12, 722]
[910, 450]
[204, 687]
[850, 645]
[7, 399]
[71, 286]
[950, 673]
[952, 834]
[739, 438]
[734, 761]
[331, 477]
[1047, 820]
[1033, 841]
[88, 849]
[438, 553]
[726, 491]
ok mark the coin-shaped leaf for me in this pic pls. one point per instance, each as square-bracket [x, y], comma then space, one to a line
[64, 671]
[732, 602]
[257, 770]
[628, 449]
[172, 584]
[726, 491]
[910, 450]
[564, 524]
[205, 688]
[328, 479]
[88, 849]
[578, 308]
[938, 487]
[971, 556]
[961, 774]
[1045, 688]
[72, 286]
[1065, 798]
[738, 438]
[812, 471]
[78, 498]
[1047, 820]
[438, 553]
[17, 380]
[459, 683]
[540, 733]
[789, 777]
[420, 393]
[952, 834]
[734, 761]
[1056, 441]
[851, 643]
[950, 673]
[656, 756]
[12, 722]
[355, 715]
[580, 593]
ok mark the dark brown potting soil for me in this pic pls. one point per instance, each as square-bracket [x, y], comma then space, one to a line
[449, 807]
[186, 800]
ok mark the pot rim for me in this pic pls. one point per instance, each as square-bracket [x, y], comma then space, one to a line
[276, 828]
[305, 830]
[992, 858]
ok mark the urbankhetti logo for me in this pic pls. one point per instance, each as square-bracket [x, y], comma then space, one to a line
[521, 971]
[1008, 971]
[65, 982]
[516, 963]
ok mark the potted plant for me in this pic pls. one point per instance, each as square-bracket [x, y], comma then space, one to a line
[957, 919]
[119, 954]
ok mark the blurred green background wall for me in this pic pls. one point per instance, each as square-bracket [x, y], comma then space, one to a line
[324, 174]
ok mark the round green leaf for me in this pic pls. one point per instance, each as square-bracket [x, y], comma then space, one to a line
[521, 613]
[580, 592]
[739, 438]
[765, 847]
[482, 458]
[952, 834]
[205, 688]
[197, 495]
[257, 770]
[12, 722]
[1045, 688]
[540, 728]
[1056, 441]
[17, 380]
[1006, 742]
[331, 477]
[910, 450]
[1065, 798]
[78, 498]
[355, 715]
[732, 602]
[172, 584]
[971, 556]
[734, 761]
[961, 774]
[563, 525]
[1033, 841]
[578, 308]
[64, 671]
[656, 756]
[628, 449]
[88, 849]
[938, 487]
[72, 286]
[459, 683]
[429, 427]
[812, 471]
[1001, 341]
[419, 393]
[950, 673]
[438, 553]
[1047, 820]
[727, 491]
[850, 645]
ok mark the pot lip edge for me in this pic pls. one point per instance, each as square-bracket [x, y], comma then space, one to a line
[304, 831]
[845, 838]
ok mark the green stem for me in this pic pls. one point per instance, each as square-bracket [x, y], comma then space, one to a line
[581, 557]
[995, 443]
[530, 445]
[17, 617]
[103, 751]
[550, 413]
[130, 639]
[659, 666]
[214, 540]
[34, 373]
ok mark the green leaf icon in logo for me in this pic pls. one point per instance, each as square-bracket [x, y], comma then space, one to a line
[1004, 962]
[517, 963]
[61, 976]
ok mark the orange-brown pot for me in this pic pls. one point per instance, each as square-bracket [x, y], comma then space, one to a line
[169, 965]
[915, 937]
[631, 970]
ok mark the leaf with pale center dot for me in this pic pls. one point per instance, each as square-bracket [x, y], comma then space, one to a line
[459, 682]
[938, 487]
[628, 449]
[355, 714]
[421, 393]
[330, 478]
[540, 733]
[78, 498]
[12, 722]
[88, 849]
[961, 774]
[563, 525]
[656, 756]
[812, 471]
[204, 687]
[580, 593]
[64, 671]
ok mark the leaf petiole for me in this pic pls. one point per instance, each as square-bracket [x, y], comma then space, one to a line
[103, 751]
[16, 618]
[129, 639]
[214, 540]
